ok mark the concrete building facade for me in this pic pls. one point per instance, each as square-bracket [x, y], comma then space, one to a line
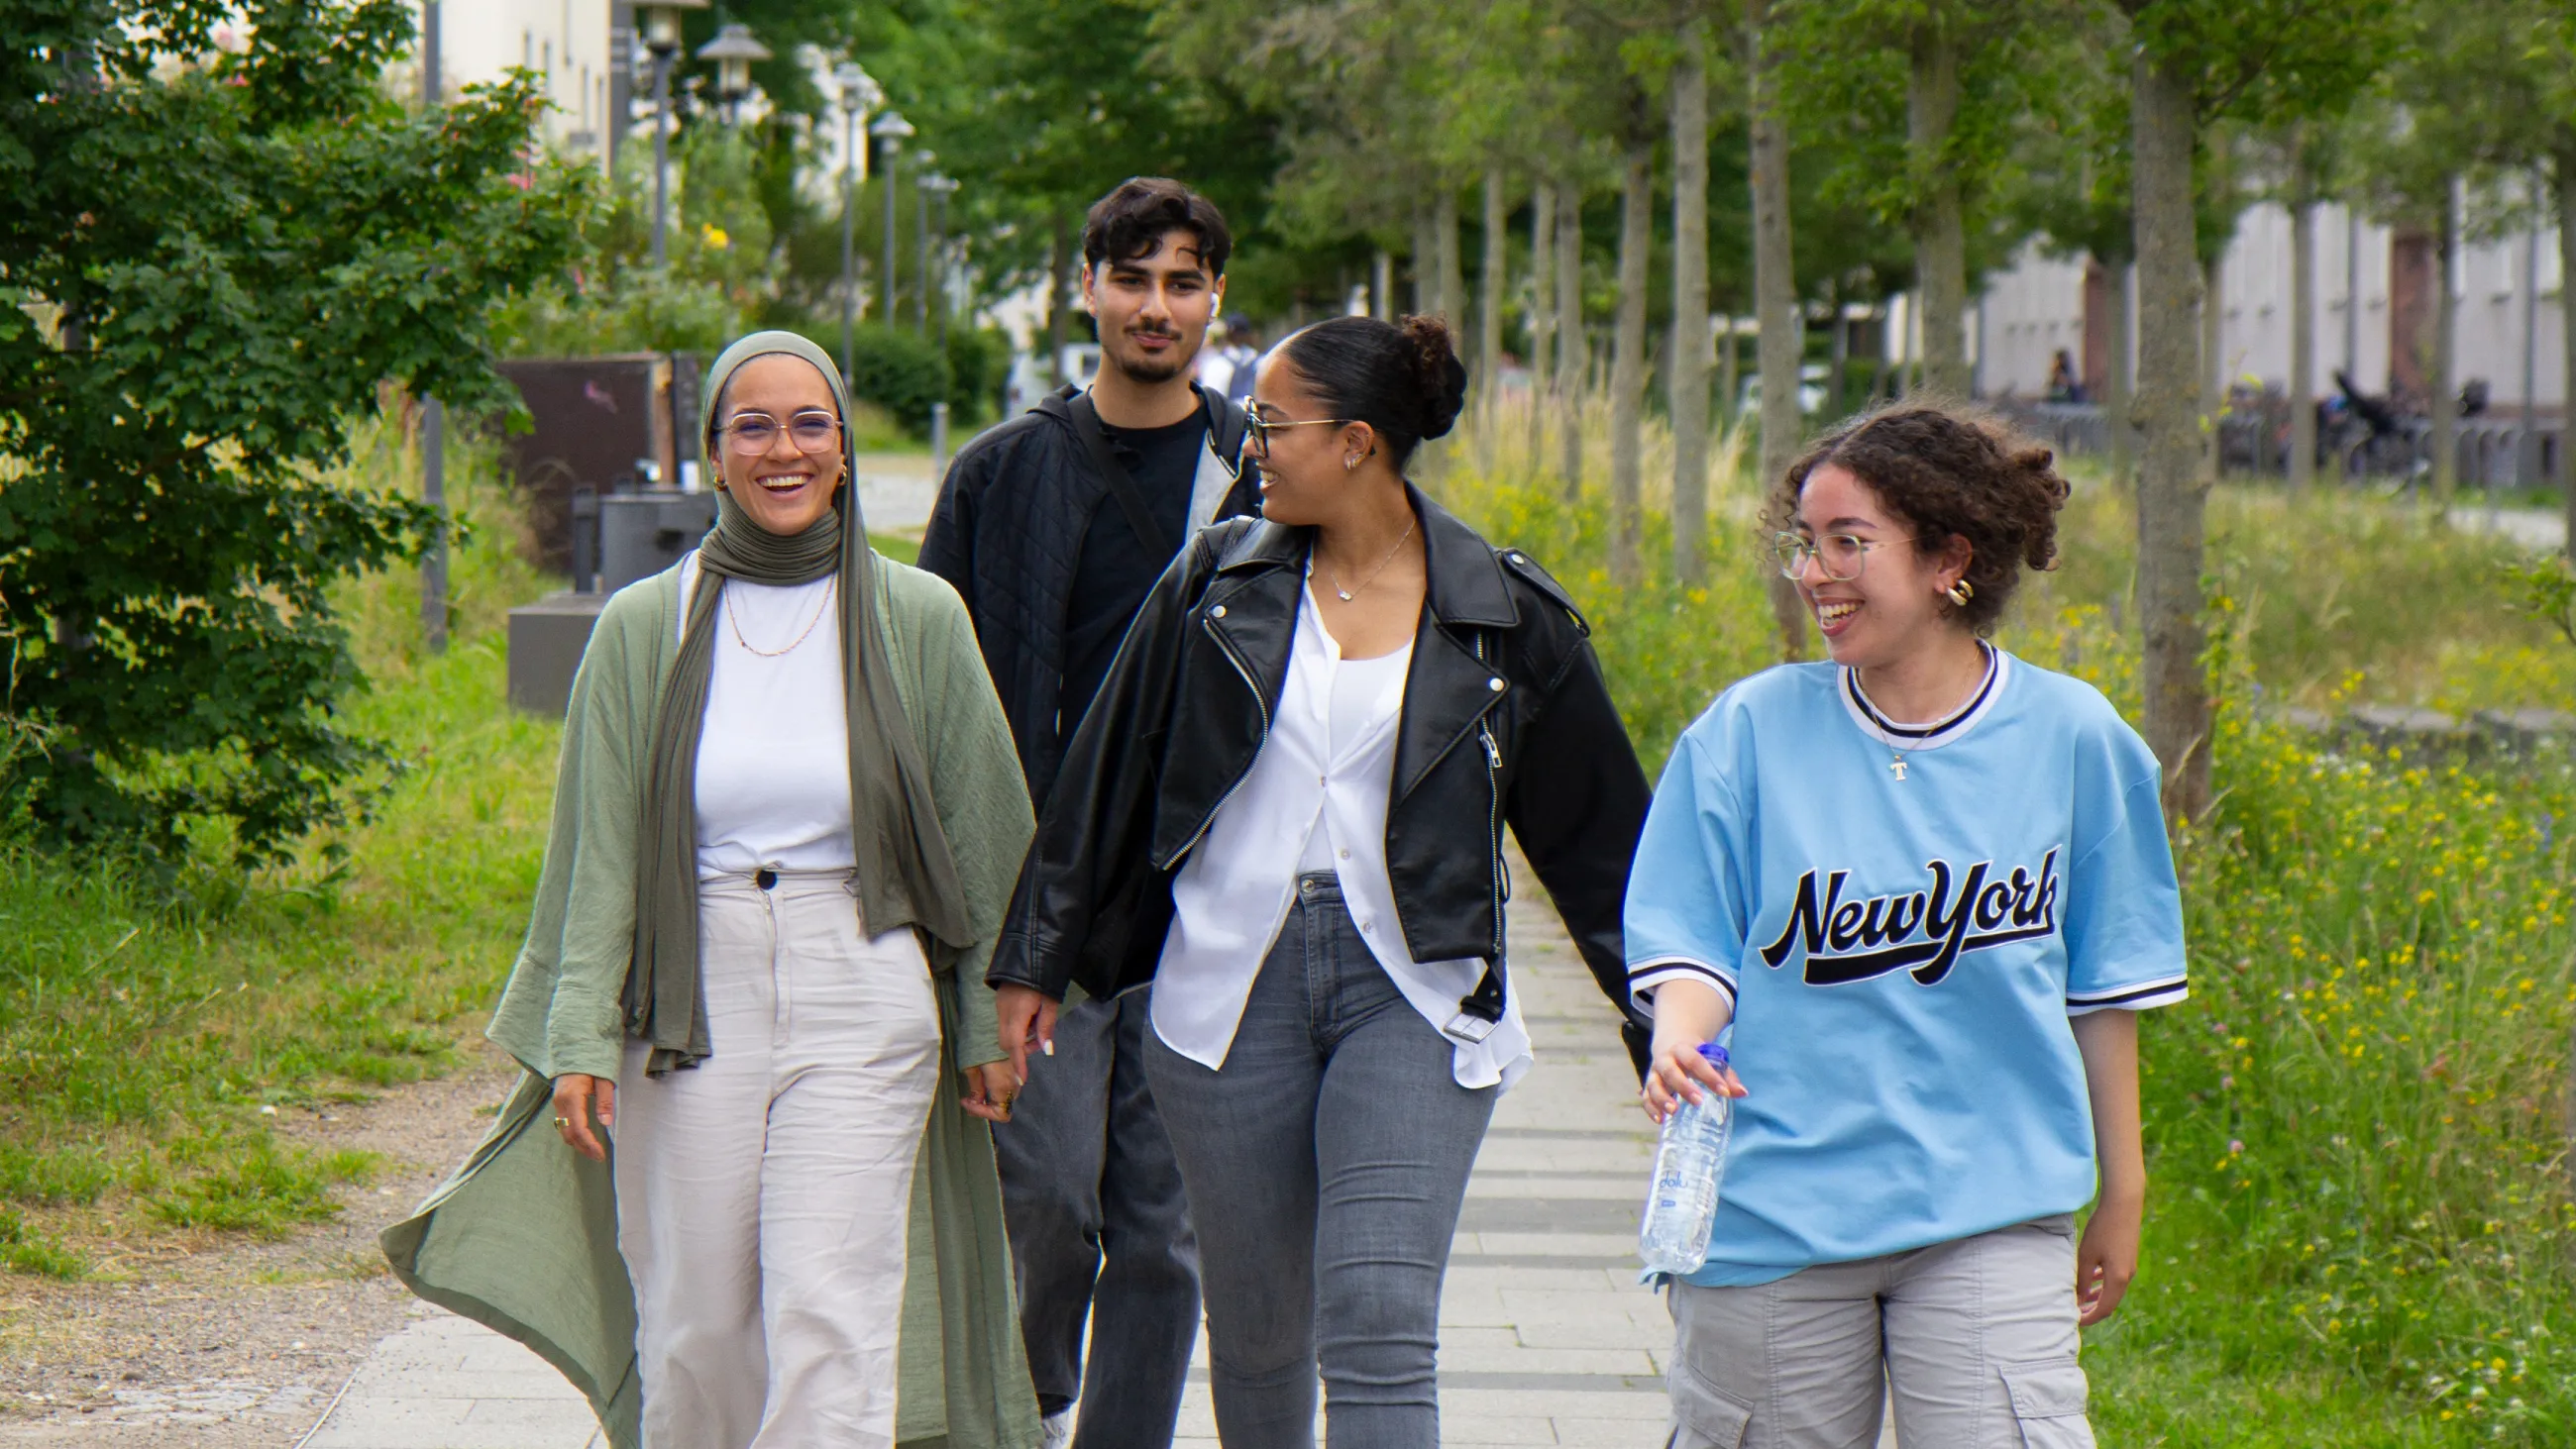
[2373, 315]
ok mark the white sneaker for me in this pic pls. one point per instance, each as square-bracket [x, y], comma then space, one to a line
[1058, 1428]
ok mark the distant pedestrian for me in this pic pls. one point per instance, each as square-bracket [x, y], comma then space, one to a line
[2065, 385]
[1284, 811]
[1054, 526]
[1929, 885]
[785, 828]
[1243, 349]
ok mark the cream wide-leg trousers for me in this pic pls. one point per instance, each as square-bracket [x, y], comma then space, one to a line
[762, 1196]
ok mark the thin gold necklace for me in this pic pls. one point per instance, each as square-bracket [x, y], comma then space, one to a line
[832, 587]
[1346, 595]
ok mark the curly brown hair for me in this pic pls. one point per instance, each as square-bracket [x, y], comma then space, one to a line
[1947, 470]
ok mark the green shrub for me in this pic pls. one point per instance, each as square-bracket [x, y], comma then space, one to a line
[900, 371]
[979, 362]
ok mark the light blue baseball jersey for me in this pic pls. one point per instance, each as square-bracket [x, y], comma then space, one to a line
[1905, 918]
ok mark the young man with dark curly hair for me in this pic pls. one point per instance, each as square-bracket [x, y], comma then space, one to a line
[1054, 526]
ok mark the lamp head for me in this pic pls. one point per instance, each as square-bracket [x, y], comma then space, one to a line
[892, 129]
[858, 89]
[733, 50]
[662, 24]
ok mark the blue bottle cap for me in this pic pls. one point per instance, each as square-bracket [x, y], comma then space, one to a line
[1713, 1054]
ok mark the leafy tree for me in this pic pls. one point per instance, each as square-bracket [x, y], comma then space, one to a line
[2195, 62]
[221, 242]
[1961, 76]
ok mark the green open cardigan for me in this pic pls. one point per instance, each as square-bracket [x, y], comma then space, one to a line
[524, 1237]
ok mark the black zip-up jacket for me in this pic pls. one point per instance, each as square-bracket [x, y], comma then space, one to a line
[1505, 720]
[1007, 533]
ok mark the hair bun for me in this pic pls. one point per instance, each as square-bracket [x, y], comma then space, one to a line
[1438, 372]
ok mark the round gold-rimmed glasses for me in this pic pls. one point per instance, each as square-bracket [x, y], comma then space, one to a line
[752, 434]
[1842, 555]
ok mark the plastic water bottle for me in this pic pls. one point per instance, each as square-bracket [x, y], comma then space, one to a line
[1689, 1162]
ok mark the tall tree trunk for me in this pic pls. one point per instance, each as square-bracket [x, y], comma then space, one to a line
[1426, 262]
[1489, 309]
[1730, 369]
[1628, 362]
[2446, 334]
[1059, 282]
[1940, 233]
[1781, 335]
[1382, 287]
[1444, 241]
[1571, 344]
[2171, 490]
[1837, 351]
[1542, 314]
[1690, 354]
[2563, 163]
[2119, 416]
[2303, 325]
[2213, 364]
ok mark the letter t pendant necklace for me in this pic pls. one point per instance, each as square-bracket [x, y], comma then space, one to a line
[1346, 595]
[1896, 762]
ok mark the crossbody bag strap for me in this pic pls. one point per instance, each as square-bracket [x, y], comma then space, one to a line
[1122, 485]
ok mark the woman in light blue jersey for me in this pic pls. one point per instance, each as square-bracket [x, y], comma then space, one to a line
[1926, 887]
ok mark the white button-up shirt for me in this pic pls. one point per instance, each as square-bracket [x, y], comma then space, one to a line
[1234, 892]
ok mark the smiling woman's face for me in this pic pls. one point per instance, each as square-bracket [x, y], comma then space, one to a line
[783, 488]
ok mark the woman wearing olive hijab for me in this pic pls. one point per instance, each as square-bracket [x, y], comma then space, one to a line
[786, 827]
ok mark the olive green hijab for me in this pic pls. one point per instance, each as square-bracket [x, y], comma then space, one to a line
[905, 874]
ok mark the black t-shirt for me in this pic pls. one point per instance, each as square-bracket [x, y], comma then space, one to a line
[1117, 569]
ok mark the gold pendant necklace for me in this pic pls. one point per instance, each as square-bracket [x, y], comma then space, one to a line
[736, 621]
[1346, 595]
[1896, 762]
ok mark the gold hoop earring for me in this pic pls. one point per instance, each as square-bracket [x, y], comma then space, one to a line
[1961, 592]
[1350, 463]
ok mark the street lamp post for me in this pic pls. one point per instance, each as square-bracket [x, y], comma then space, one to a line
[433, 415]
[890, 129]
[922, 176]
[858, 93]
[662, 39]
[733, 50]
[934, 267]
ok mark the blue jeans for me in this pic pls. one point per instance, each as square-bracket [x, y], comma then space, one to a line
[1326, 1163]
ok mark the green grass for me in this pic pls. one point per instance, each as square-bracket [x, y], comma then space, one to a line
[2360, 1230]
[141, 1033]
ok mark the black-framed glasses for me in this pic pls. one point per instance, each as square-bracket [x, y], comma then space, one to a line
[1842, 555]
[752, 434]
[1257, 427]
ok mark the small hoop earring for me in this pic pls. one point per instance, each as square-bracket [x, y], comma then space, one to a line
[1961, 592]
[1350, 463]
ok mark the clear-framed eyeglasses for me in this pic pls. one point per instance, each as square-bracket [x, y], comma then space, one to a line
[752, 434]
[1841, 555]
[1257, 427]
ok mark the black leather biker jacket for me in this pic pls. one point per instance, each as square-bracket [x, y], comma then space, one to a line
[1505, 720]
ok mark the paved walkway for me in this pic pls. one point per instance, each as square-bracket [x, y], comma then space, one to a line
[1546, 1337]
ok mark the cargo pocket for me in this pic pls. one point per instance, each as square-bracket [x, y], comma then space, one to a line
[1703, 1418]
[2048, 1403]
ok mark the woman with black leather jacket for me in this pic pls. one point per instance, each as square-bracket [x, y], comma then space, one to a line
[1284, 811]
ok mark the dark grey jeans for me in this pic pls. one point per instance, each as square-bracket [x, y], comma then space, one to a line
[1326, 1164]
[1100, 1231]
